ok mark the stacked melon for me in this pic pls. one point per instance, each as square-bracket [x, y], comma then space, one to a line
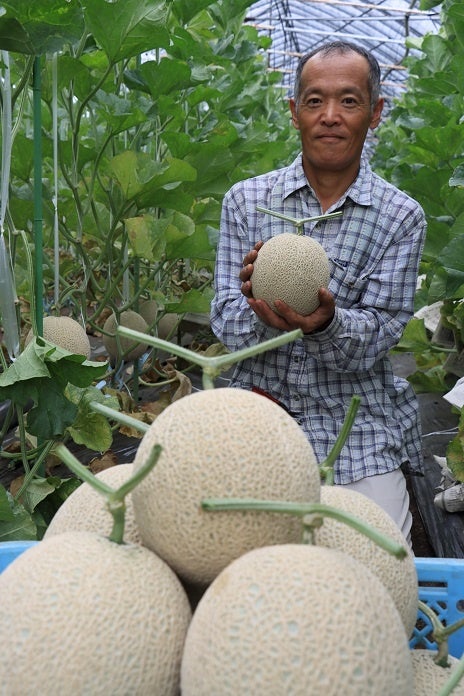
[276, 616]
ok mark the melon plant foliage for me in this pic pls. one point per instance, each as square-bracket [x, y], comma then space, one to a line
[421, 150]
[149, 110]
[156, 119]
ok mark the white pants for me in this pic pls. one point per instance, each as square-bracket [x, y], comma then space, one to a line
[390, 493]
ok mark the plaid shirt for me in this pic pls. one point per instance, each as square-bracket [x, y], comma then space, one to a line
[374, 250]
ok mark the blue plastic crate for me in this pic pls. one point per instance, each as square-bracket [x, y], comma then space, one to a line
[9, 550]
[441, 587]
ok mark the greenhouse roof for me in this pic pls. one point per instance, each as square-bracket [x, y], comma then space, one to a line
[382, 26]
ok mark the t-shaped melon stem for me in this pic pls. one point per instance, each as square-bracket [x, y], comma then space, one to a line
[115, 498]
[299, 222]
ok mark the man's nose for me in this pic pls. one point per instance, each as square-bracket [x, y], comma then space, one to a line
[331, 112]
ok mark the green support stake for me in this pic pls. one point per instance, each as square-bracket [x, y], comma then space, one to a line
[38, 240]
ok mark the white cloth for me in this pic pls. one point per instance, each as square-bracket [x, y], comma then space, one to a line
[390, 493]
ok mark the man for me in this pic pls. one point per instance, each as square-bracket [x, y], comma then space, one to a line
[374, 249]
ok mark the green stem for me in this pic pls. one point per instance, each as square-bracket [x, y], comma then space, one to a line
[454, 680]
[326, 468]
[22, 438]
[302, 510]
[440, 633]
[119, 416]
[213, 364]
[115, 498]
[37, 467]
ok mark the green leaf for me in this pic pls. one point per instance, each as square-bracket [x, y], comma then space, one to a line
[414, 338]
[196, 246]
[147, 236]
[6, 513]
[455, 456]
[192, 301]
[429, 4]
[431, 381]
[37, 490]
[448, 280]
[458, 177]
[90, 428]
[139, 175]
[20, 527]
[127, 28]
[52, 414]
[185, 10]
[165, 76]
[39, 27]
[118, 114]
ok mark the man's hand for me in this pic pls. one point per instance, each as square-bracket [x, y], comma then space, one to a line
[247, 269]
[287, 319]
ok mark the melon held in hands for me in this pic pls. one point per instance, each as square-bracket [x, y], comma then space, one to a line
[292, 268]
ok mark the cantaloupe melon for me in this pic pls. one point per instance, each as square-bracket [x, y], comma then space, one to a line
[398, 575]
[429, 677]
[221, 443]
[85, 509]
[80, 614]
[130, 350]
[299, 620]
[66, 333]
[292, 268]
[148, 309]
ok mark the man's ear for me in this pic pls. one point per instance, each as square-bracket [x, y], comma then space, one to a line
[377, 114]
[293, 109]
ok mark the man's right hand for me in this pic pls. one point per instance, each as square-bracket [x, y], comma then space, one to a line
[247, 269]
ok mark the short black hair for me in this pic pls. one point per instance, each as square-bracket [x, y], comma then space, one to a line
[342, 47]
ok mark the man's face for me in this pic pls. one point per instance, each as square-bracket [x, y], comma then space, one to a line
[334, 111]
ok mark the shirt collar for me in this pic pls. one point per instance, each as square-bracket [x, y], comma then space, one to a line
[359, 191]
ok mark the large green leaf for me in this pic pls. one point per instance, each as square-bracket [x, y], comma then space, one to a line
[147, 236]
[448, 281]
[185, 10]
[197, 246]
[166, 75]
[20, 527]
[39, 27]
[127, 28]
[139, 175]
[195, 301]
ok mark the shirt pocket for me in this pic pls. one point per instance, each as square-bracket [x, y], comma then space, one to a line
[347, 283]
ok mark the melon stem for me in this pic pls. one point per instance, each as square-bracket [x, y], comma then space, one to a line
[315, 510]
[454, 679]
[440, 633]
[327, 467]
[212, 366]
[115, 497]
[299, 222]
